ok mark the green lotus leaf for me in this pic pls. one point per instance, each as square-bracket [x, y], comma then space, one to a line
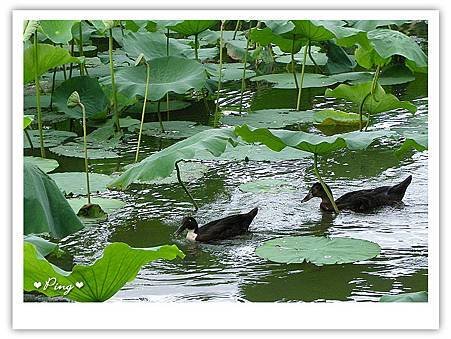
[48, 57]
[268, 185]
[162, 163]
[59, 31]
[27, 120]
[329, 117]
[286, 80]
[277, 140]
[313, 30]
[51, 138]
[230, 72]
[393, 75]
[30, 26]
[317, 250]
[266, 36]
[108, 205]
[152, 107]
[320, 58]
[380, 102]
[421, 297]
[167, 74]
[254, 153]
[29, 101]
[75, 182]
[338, 60]
[417, 141]
[44, 247]
[45, 165]
[152, 45]
[91, 95]
[192, 27]
[369, 25]
[172, 129]
[276, 118]
[76, 150]
[45, 208]
[189, 172]
[98, 281]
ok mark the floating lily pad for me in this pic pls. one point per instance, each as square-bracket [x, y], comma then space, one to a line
[152, 107]
[230, 71]
[189, 172]
[267, 186]
[275, 118]
[75, 182]
[317, 250]
[254, 153]
[421, 296]
[75, 150]
[173, 129]
[45, 165]
[328, 117]
[107, 204]
[286, 80]
[51, 138]
[29, 101]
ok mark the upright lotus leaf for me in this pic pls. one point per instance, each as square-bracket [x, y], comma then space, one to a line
[49, 57]
[377, 103]
[338, 61]
[318, 250]
[29, 27]
[313, 30]
[27, 120]
[162, 163]
[421, 296]
[266, 36]
[369, 25]
[192, 27]
[91, 94]
[45, 208]
[385, 43]
[44, 247]
[167, 74]
[152, 45]
[99, 281]
[417, 141]
[277, 140]
[103, 25]
[59, 31]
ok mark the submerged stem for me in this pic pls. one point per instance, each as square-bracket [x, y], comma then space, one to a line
[85, 146]
[179, 178]
[216, 119]
[298, 105]
[143, 112]
[113, 82]
[323, 184]
[38, 95]
[80, 50]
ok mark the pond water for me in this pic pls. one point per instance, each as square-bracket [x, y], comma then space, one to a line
[230, 270]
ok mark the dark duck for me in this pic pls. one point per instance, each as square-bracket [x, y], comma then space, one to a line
[220, 229]
[361, 200]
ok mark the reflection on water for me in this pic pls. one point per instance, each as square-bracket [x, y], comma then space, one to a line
[229, 270]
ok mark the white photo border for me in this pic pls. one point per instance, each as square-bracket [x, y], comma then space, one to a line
[261, 316]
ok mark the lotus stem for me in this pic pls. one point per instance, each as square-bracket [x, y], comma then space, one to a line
[38, 95]
[113, 83]
[361, 110]
[85, 146]
[318, 69]
[72, 45]
[53, 88]
[159, 116]
[216, 120]
[243, 80]
[293, 64]
[298, 105]
[167, 94]
[196, 46]
[80, 49]
[238, 24]
[323, 184]
[29, 139]
[143, 112]
[179, 178]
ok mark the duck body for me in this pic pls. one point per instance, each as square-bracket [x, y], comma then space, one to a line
[361, 200]
[220, 229]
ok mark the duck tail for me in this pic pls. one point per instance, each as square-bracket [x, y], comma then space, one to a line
[253, 213]
[400, 189]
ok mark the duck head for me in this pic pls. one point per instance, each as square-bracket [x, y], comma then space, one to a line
[188, 223]
[317, 191]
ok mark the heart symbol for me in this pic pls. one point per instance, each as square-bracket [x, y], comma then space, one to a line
[79, 284]
[37, 284]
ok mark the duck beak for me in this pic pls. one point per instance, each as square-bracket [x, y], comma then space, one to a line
[307, 197]
[179, 230]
